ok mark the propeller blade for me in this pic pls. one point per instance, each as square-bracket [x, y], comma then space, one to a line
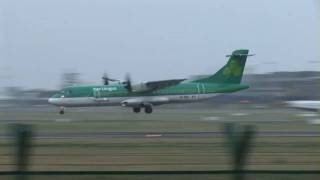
[106, 79]
[128, 83]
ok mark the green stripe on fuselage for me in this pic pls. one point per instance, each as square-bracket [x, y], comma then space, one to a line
[118, 90]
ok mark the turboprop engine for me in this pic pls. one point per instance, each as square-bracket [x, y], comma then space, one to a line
[141, 87]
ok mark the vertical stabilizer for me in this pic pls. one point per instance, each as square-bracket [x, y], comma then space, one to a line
[231, 72]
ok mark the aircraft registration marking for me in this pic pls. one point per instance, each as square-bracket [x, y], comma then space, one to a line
[153, 135]
[188, 97]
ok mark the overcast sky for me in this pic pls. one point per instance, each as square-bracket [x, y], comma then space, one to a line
[151, 39]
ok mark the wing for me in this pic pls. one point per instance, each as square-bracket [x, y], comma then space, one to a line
[155, 85]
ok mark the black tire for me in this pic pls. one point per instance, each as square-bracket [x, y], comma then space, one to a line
[61, 112]
[136, 109]
[148, 109]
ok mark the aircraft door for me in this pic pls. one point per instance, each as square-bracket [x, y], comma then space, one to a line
[96, 93]
[199, 91]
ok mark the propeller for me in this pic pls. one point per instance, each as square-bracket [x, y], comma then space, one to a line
[128, 82]
[106, 79]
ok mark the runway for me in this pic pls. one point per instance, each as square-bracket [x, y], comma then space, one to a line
[212, 134]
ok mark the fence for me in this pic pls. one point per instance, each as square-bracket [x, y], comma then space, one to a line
[239, 140]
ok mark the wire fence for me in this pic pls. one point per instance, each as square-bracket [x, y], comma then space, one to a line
[239, 142]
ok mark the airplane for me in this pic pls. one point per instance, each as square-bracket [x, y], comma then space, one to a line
[146, 95]
[310, 105]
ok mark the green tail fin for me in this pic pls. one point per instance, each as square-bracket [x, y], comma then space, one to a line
[230, 73]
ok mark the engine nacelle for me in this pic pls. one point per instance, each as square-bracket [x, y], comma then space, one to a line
[131, 103]
[141, 87]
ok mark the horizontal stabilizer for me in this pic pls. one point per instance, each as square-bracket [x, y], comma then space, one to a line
[240, 55]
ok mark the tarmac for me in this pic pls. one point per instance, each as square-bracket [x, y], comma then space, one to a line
[212, 134]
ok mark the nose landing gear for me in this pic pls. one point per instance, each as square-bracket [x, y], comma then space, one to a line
[61, 110]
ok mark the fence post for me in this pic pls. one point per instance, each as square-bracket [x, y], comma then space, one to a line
[239, 143]
[22, 135]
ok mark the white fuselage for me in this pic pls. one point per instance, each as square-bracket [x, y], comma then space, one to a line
[118, 101]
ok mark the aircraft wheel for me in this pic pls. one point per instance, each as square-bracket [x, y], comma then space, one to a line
[61, 110]
[136, 109]
[148, 109]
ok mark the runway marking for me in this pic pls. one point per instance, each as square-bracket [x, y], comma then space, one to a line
[153, 135]
[63, 120]
[239, 114]
[211, 118]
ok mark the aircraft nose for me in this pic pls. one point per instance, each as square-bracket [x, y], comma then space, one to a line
[52, 100]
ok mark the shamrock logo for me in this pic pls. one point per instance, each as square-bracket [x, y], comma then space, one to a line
[233, 69]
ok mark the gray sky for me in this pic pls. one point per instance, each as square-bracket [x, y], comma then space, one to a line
[151, 39]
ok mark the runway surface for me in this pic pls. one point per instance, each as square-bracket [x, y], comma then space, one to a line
[213, 134]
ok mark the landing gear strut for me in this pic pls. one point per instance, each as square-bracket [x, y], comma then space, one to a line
[136, 109]
[148, 109]
[61, 110]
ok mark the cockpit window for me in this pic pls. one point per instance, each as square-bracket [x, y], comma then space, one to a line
[61, 94]
[65, 92]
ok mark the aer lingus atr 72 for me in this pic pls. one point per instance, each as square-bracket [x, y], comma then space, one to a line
[149, 94]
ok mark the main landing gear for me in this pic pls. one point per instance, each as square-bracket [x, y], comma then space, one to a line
[136, 109]
[147, 109]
